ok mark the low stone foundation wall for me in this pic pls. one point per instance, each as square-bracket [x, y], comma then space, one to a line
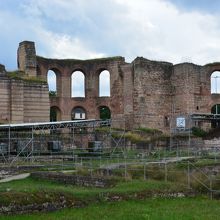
[30, 208]
[74, 179]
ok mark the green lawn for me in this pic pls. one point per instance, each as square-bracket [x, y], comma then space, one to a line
[30, 185]
[98, 206]
[149, 209]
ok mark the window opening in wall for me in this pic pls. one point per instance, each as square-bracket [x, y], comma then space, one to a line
[166, 121]
[216, 110]
[55, 114]
[104, 113]
[78, 113]
[77, 84]
[52, 83]
[215, 82]
[104, 83]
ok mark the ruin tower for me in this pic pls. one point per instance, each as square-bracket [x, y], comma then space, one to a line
[26, 58]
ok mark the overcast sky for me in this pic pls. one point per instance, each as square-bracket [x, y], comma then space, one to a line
[169, 30]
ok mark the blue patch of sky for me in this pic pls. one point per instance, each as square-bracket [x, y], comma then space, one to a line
[11, 5]
[208, 6]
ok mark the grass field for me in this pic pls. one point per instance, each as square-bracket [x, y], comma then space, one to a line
[149, 209]
[30, 186]
[135, 198]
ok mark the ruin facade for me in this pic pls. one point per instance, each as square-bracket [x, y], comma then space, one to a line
[23, 99]
[145, 93]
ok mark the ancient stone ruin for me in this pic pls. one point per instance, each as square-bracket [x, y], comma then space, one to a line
[145, 93]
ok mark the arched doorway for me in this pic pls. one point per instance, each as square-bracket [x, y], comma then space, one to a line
[104, 113]
[78, 113]
[55, 114]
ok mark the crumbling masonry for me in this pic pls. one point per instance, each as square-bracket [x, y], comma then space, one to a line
[145, 93]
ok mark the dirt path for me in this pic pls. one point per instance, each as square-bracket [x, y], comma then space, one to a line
[15, 177]
[167, 160]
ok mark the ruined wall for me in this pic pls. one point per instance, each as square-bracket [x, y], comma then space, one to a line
[192, 89]
[85, 181]
[16, 101]
[36, 102]
[23, 99]
[128, 93]
[91, 69]
[144, 93]
[152, 93]
[5, 96]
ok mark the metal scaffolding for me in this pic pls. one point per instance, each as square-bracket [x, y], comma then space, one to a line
[29, 139]
[178, 131]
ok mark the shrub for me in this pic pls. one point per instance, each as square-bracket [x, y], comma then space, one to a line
[52, 94]
[198, 132]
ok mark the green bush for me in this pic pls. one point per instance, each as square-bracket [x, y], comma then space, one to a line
[135, 138]
[52, 94]
[198, 132]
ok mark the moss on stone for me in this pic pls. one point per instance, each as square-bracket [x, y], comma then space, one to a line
[20, 75]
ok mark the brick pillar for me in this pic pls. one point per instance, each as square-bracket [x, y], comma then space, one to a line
[128, 94]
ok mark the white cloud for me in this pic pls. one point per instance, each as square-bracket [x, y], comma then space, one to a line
[160, 30]
[81, 29]
[155, 29]
[64, 46]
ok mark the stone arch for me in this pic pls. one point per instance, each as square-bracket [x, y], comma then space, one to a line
[54, 81]
[78, 113]
[215, 82]
[104, 112]
[78, 84]
[55, 113]
[104, 83]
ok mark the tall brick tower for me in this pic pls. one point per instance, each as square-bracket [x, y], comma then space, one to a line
[26, 58]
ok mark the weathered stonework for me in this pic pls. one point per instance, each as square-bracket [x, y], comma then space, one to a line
[145, 93]
[86, 181]
[22, 100]
[27, 58]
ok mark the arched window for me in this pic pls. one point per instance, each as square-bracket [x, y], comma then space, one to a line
[78, 113]
[55, 114]
[215, 82]
[104, 83]
[52, 82]
[77, 84]
[216, 110]
[104, 113]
